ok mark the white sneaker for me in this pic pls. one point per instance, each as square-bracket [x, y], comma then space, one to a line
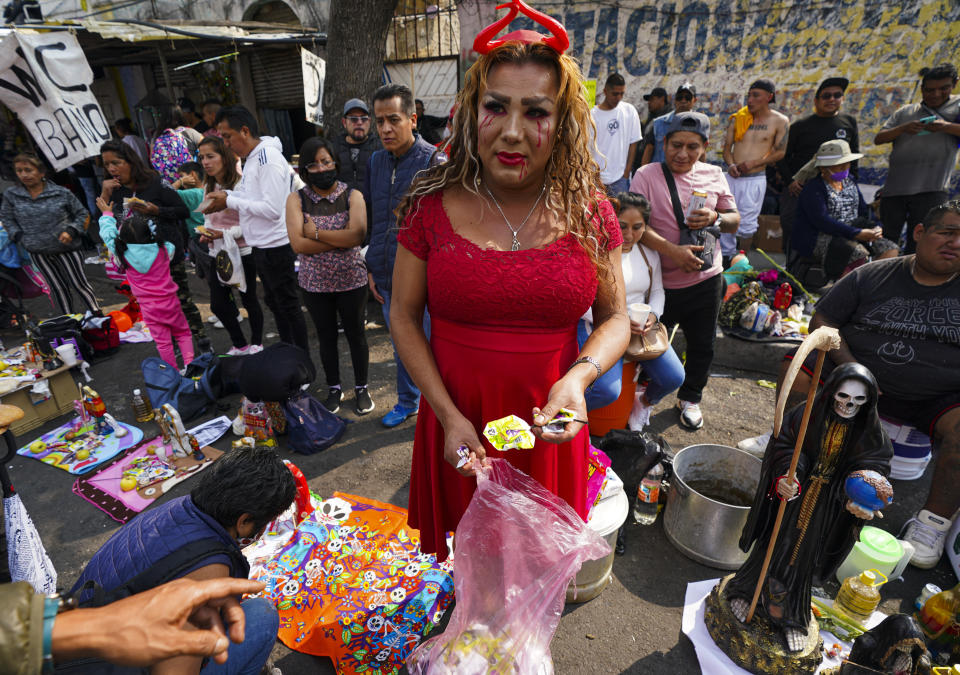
[690, 415]
[254, 349]
[756, 446]
[212, 318]
[927, 532]
[218, 324]
[238, 351]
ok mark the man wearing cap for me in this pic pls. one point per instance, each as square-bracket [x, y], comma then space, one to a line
[806, 136]
[683, 101]
[658, 104]
[355, 145]
[756, 137]
[925, 137]
[618, 132]
[692, 286]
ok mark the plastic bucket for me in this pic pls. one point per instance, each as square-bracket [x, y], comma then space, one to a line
[594, 575]
[615, 415]
[707, 527]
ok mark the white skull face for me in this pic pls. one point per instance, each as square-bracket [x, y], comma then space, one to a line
[424, 558]
[335, 545]
[851, 394]
[383, 655]
[411, 570]
[335, 510]
[337, 570]
[398, 594]
[292, 587]
[375, 623]
[312, 568]
[369, 576]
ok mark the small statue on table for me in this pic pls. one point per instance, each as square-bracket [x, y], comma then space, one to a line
[810, 504]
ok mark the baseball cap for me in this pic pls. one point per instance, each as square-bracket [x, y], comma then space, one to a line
[841, 82]
[765, 85]
[656, 91]
[355, 103]
[686, 86]
[696, 122]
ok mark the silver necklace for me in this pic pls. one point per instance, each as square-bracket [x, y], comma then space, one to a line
[515, 245]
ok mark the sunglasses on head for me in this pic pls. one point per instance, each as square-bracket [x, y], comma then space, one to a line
[833, 94]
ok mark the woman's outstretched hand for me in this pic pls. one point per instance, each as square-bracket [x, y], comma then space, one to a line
[459, 433]
[565, 393]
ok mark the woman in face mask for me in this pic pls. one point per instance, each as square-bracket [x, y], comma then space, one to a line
[834, 224]
[326, 223]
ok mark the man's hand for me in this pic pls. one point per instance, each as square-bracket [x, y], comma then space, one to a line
[65, 238]
[734, 170]
[787, 488]
[685, 257]
[795, 188]
[218, 201]
[180, 618]
[373, 289]
[913, 128]
[936, 125]
[702, 218]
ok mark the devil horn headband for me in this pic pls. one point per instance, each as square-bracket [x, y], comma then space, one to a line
[484, 43]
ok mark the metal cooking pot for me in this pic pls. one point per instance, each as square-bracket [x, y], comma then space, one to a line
[704, 528]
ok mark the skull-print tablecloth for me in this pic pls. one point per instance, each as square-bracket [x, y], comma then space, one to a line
[350, 583]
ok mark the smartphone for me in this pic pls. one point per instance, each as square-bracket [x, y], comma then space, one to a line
[926, 120]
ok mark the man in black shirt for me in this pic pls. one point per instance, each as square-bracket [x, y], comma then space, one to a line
[806, 135]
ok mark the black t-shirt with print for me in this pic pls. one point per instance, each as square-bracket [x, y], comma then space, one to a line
[807, 135]
[907, 334]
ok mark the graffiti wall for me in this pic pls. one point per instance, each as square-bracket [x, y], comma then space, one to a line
[723, 45]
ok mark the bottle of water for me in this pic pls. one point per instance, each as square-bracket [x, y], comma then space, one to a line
[648, 496]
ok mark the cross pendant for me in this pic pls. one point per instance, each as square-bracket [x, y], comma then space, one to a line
[515, 246]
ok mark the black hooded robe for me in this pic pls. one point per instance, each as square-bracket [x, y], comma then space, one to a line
[830, 530]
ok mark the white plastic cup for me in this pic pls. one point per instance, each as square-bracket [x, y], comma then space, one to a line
[67, 354]
[639, 312]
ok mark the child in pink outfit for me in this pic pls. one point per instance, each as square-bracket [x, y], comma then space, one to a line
[145, 259]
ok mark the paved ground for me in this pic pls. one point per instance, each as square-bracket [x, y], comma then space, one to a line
[633, 627]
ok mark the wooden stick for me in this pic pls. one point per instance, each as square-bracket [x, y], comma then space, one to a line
[791, 476]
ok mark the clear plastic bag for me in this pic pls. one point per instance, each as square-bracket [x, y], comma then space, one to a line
[518, 546]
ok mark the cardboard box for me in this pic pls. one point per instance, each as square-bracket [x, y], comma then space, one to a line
[769, 234]
[63, 392]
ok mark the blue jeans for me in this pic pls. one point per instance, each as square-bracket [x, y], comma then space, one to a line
[665, 373]
[618, 186]
[249, 657]
[408, 395]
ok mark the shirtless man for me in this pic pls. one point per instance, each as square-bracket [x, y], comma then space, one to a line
[763, 142]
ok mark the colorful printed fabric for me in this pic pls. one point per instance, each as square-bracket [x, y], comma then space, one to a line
[62, 446]
[351, 583]
[170, 151]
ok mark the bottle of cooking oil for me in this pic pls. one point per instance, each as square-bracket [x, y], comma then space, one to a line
[142, 410]
[859, 595]
[940, 619]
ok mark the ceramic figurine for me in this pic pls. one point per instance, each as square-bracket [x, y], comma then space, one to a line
[96, 409]
[893, 647]
[803, 523]
[179, 438]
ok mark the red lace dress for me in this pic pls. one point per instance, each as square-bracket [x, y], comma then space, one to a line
[503, 331]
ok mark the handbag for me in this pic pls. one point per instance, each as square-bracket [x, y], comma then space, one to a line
[705, 236]
[229, 264]
[654, 342]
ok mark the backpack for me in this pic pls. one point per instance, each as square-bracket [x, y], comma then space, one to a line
[102, 335]
[62, 329]
[190, 394]
[311, 427]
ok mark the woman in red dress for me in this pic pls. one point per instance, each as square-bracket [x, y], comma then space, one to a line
[507, 244]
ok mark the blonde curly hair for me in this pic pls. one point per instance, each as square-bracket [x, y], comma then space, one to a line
[574, 188]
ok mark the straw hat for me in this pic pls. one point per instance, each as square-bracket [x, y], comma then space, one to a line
[835, 152]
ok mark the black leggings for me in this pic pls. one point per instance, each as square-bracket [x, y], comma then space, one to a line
[351, 306]
[222, 305]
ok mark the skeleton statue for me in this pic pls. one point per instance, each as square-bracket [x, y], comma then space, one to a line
[820, 523]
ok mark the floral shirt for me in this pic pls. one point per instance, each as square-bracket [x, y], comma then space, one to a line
[170, 151]
[341, 269]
